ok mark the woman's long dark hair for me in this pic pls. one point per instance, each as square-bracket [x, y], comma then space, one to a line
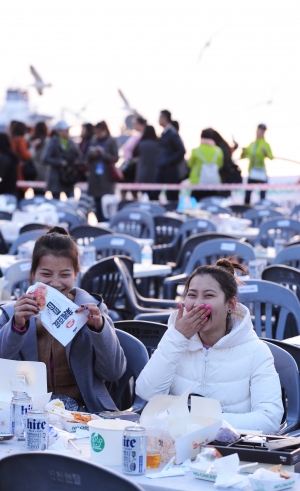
[5, 146]
[149, 133]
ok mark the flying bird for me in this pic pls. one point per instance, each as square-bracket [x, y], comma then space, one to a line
[38, 84]
[207, 45]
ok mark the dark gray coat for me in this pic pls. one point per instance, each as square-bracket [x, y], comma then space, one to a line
[100, 185]
[147, 152]
[93, 357]
[53, 156]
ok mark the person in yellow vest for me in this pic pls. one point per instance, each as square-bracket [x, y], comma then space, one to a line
[205, 162]
[257, 152]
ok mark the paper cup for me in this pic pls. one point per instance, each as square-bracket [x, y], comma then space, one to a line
[106, 436]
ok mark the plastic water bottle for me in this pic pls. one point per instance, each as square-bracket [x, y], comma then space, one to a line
[147, 255]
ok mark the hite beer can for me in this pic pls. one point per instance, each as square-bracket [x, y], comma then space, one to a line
[134, 450]
[37, 430]
[19, 407]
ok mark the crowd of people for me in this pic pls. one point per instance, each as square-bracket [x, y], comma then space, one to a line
[54, 158]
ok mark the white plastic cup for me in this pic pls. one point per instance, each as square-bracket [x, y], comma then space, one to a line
[106, 439]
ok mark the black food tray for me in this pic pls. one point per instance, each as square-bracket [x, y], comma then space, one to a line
[254, 452]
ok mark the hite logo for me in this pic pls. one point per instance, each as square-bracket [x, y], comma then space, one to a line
[36, 425]
[97, 442]
[129, 442]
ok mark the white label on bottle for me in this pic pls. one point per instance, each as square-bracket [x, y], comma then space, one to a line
[283, 223]
[134, 216]
[201, 224]
[118, 242]
[227, 246]
[248, 289]
[25, 266]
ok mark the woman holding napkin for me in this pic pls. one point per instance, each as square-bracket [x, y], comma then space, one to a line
[79, 369]
[210, 345]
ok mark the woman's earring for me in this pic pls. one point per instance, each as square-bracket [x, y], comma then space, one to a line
[229, 311]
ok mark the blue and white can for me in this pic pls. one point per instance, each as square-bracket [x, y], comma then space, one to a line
[37, 430]
[134, 450]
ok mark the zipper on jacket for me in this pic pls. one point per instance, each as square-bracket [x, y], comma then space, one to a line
[205, 368]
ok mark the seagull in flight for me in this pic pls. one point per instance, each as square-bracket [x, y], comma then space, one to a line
[207, 45]
[38, 84]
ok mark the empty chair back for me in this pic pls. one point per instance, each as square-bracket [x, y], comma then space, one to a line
[152, 208]
[238, 210]
[196, 226]
[34, 226]
[290, 256]
[166, 228]
[25, 237]
[266, 202]
[215, 209]
[287, 370]
[282, 228]
[5, 215]
[283, 275]
[257, 216]
[269, 305]
[18, 277]
[72, 218]
[49, 471]
[212, 200]
[84, 234]
[189, 245]
[149, 333]
[116, 245]
[123, 393]
[136, 223]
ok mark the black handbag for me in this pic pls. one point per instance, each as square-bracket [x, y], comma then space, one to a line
[29, 170]
[69, 174]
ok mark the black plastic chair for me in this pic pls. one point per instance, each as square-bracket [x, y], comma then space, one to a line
[4, 215]
[287, 370]
[117, 245]
[238, 210]
[293, 350]
[25, 237]
[112, 278]
[159, 317]
[283, 275]
[270, 305]
[152, 208]
[34, 226]
[84, 233]
[257, 216]
[123, 392]
[166, 229]
[167, 252]
[36, 200]
[28, 471]
[149, 333]
[290, 256]
[207, 253]
[136, 223]
[72, 218]
[280, 228]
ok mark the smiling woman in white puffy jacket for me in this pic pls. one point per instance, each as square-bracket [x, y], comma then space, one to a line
[211, 343]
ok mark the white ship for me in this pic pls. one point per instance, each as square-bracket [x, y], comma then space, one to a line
[16, 107]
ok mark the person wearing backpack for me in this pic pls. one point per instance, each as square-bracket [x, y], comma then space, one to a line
[205, 163]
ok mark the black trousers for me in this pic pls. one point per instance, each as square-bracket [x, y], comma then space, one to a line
[248, 193]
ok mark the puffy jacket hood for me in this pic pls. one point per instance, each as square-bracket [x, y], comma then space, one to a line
[242, 330]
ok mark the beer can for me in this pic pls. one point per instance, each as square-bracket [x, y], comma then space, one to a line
[19, 407]
[37, 430]
[134, 450]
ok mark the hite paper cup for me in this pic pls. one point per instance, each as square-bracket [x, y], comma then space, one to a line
[106, 436]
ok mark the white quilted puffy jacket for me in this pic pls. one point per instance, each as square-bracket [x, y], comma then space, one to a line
[238, 371]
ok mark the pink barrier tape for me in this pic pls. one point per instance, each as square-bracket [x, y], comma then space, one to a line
[148, 187]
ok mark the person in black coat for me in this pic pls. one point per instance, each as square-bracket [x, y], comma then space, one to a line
[8, 167]
[146, 152]
[170, 154]
[230, 172]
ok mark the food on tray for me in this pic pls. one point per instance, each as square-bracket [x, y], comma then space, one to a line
[58, 403]
[40, 292]
[276, 468]
[80, 418]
